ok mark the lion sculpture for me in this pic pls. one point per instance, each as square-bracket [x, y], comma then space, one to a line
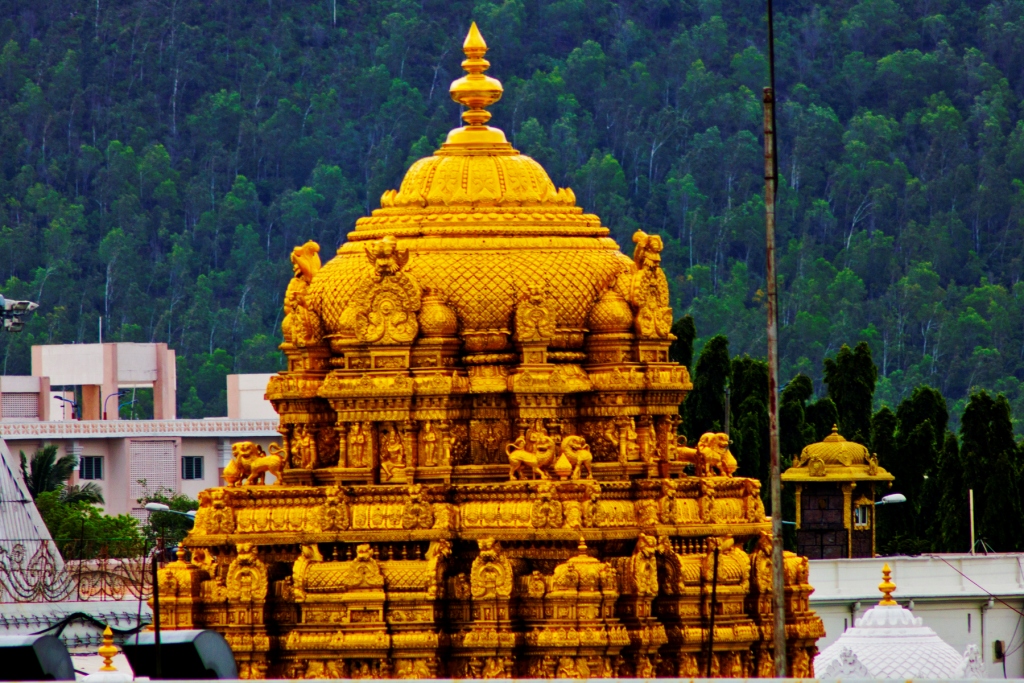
[578, 454]
[711, 456]
[250, 464]
[520, 459]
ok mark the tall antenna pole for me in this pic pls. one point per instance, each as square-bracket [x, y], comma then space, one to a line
[771, 186]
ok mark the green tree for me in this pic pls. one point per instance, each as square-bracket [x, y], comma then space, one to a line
[704, 407]
[851, 378]
[46, 473]
[748, 403]
[794, 430]
[168, 528]
[82, 532]
[681, 349]
[987, 443]
[950, 525]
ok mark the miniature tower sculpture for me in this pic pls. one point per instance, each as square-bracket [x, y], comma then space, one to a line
[479, 473]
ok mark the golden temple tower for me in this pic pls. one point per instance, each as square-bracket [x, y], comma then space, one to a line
[479, 474]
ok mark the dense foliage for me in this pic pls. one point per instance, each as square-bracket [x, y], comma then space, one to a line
[158, 162]
[932, 467]
[168, 528]
[46, 473]
[82, 532]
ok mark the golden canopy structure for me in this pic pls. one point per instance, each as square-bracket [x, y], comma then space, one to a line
[837, 482]
[479, 473]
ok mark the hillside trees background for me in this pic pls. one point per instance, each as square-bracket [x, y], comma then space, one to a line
[159, 160]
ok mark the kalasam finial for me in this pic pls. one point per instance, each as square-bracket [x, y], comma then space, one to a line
[887, 587]
[475, 90]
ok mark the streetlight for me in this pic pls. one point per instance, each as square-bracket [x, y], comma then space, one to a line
[11, 311]
[157, 664]
[74, 405]
[892, 499]
[119, 393]
[160, 507]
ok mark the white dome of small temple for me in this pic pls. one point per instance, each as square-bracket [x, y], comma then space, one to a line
[889, 642]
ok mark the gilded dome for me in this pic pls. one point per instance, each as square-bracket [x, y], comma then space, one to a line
[836, 450]
[482, 223]
[834, 458]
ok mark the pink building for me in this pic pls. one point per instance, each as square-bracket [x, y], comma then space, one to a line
[128, 459]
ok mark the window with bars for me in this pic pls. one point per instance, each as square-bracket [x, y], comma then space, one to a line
[90, 467]
[153, 468]
[22, 405]
[192, 467]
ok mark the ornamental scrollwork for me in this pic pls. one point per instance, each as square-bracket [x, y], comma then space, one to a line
[384, 305]
[418, 513]
[535, 316]
[491, 573]
[247, 576]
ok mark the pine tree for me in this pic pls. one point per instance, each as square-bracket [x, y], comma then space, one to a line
[851, 377]
[705, 406]
[794, 431]
[821, 416]
[883, 436]
[987, 443]
[681, 349]
[950, 528]
[748, 405]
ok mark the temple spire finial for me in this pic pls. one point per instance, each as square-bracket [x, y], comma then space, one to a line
[887, 587]
[108, 650]
[475, 90]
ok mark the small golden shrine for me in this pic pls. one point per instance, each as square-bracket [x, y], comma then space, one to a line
[837, 482]
[479, 474]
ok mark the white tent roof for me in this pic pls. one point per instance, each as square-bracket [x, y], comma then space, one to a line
[20, 523]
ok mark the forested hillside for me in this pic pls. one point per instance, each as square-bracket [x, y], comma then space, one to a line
[159, 160]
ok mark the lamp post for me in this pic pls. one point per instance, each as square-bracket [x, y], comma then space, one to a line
[892, 499]
[118, 393]
[157, 664]
[11, 312]
[74, 405]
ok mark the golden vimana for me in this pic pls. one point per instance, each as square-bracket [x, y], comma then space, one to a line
[479, 473]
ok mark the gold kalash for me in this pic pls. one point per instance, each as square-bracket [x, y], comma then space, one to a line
[479, 474]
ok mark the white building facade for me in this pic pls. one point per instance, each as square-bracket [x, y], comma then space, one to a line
[965, 599]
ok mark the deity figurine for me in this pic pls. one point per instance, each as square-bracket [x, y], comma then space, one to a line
[303, 448]
[536, 435]
[301, 326]
[429, 445]
[632, 447]
[491, 446]
[392, 454]
[357, 446]
[449, 441]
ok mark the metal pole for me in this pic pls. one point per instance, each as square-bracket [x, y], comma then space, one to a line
[970, 503]
[157, 664]
[771, 184]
